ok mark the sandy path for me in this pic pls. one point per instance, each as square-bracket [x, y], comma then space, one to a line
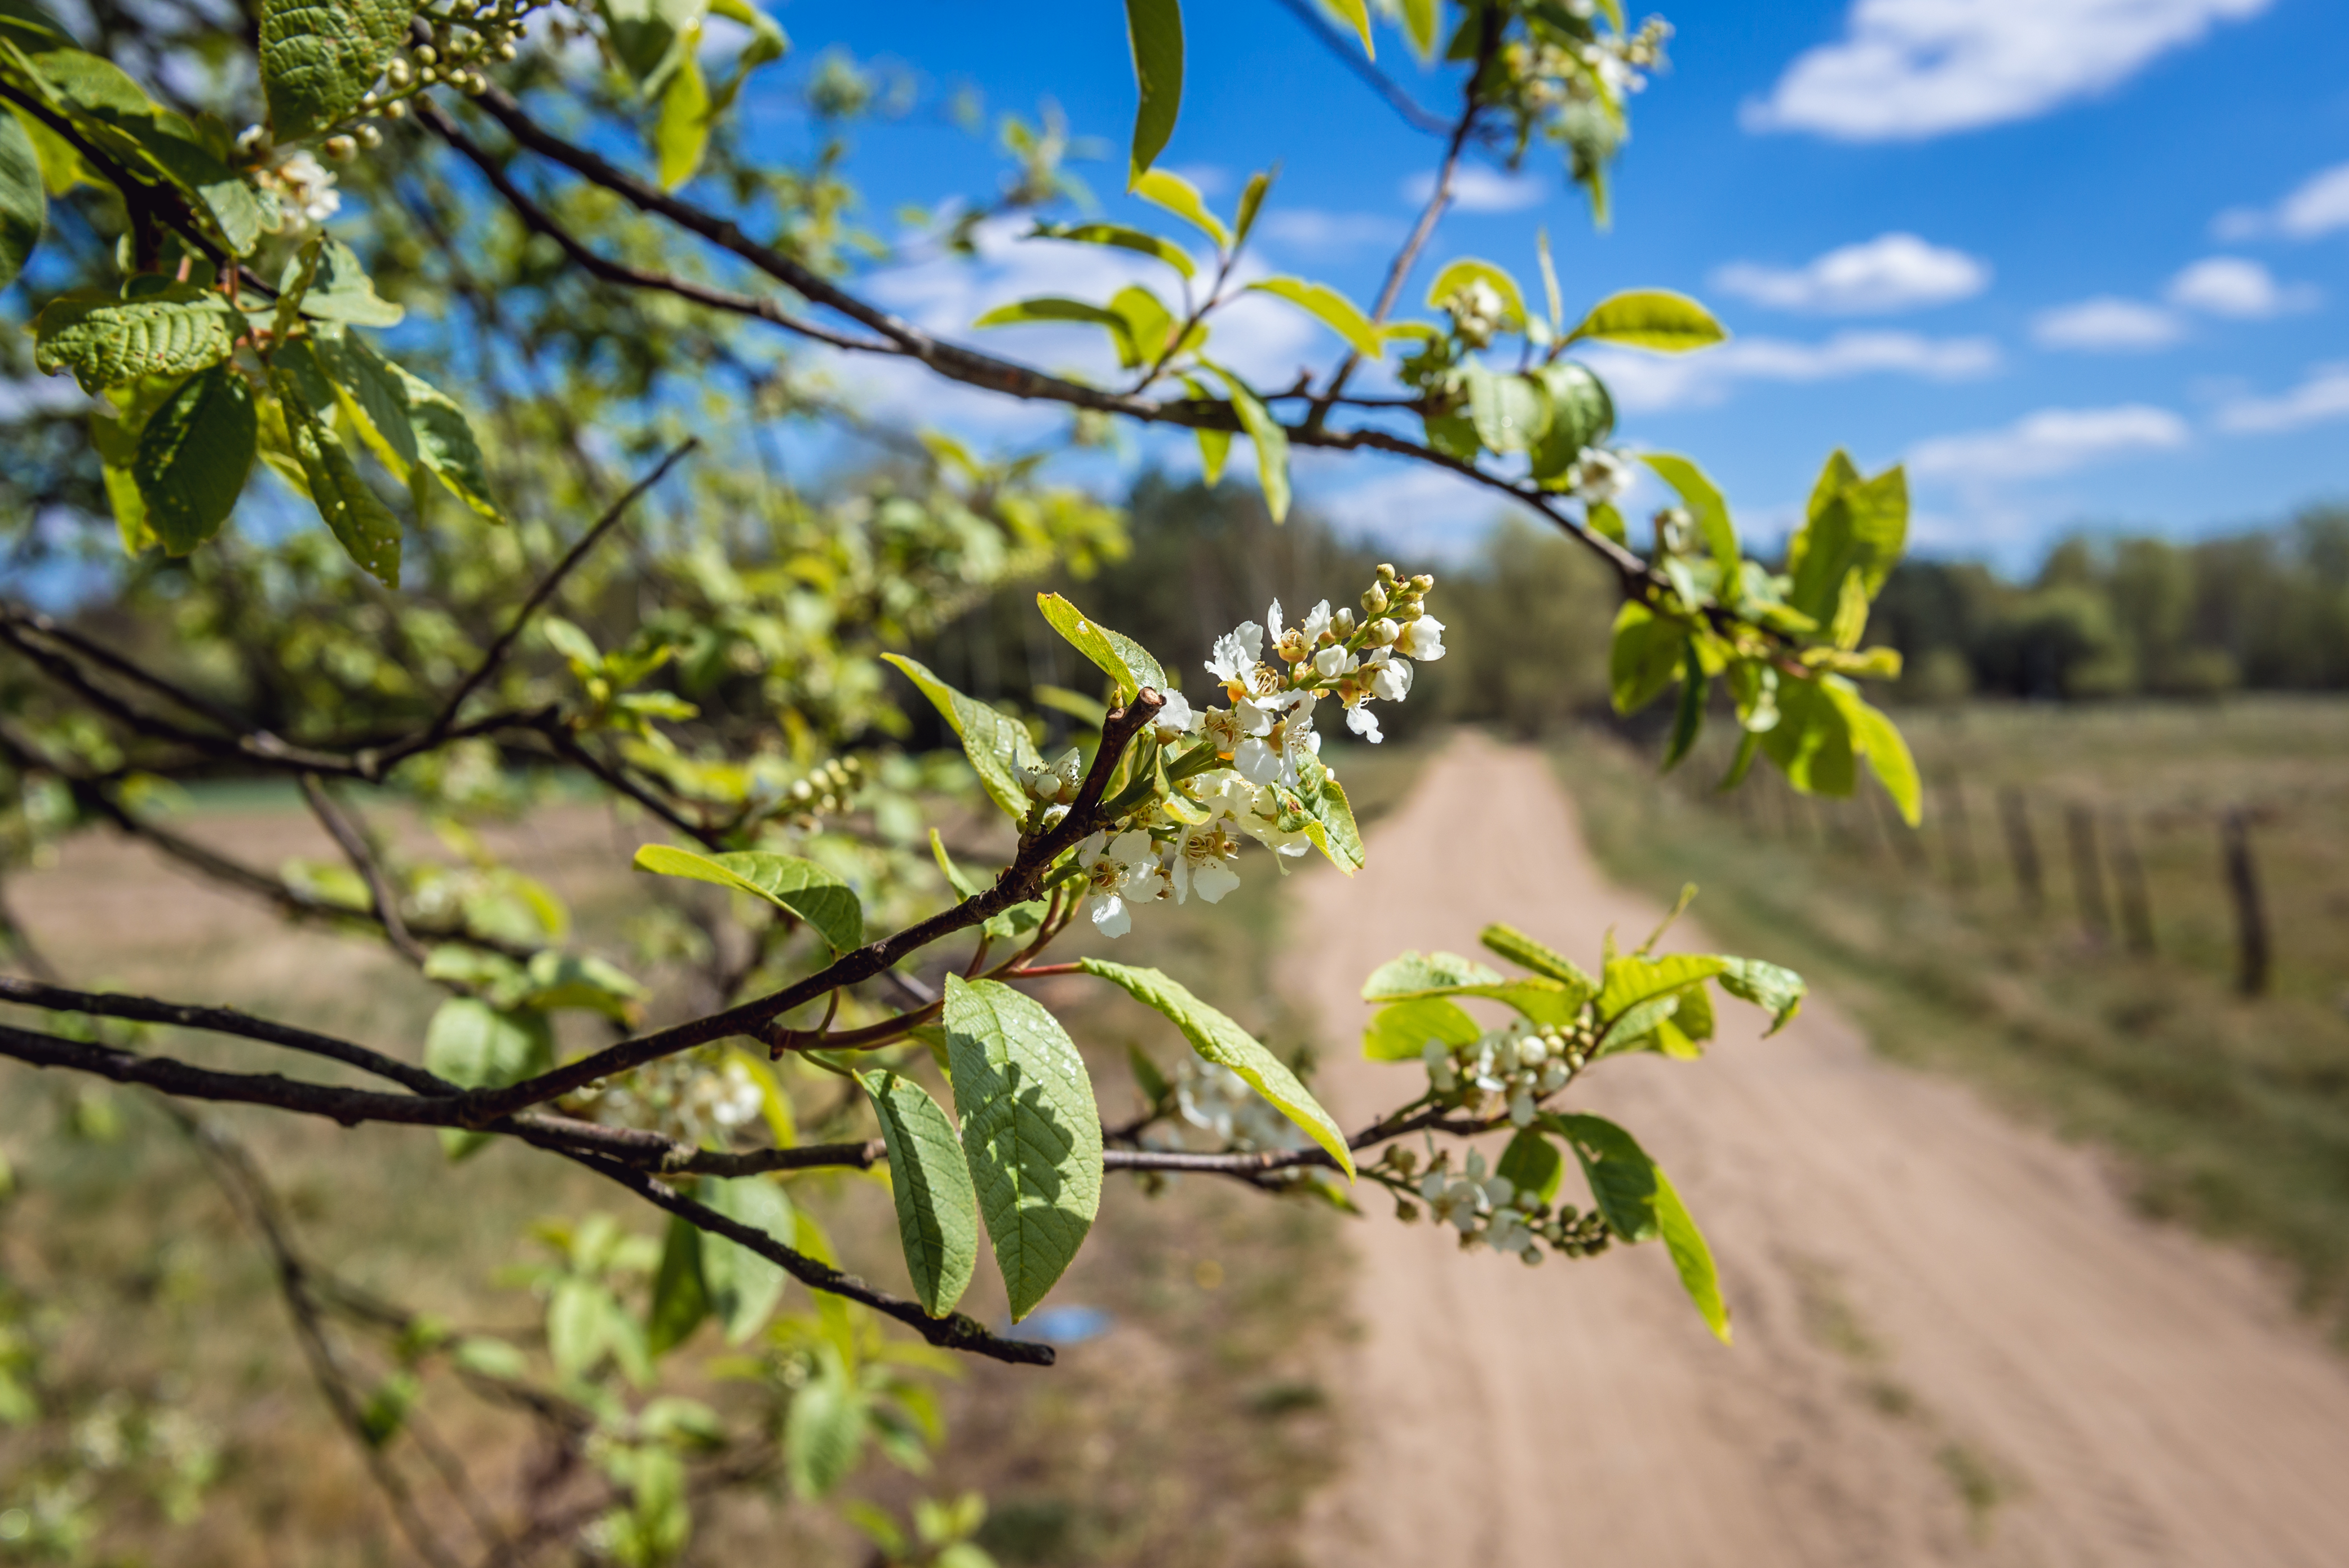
[1955, 1343]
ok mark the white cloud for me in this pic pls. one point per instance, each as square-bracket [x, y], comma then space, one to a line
[2319, 206]
[2051, 441]
[1889, 273]
[1477, 189]
[2233, 286]
[2323, 395]
[1646, 383]
[2106, 324]
[1906, 69]
[1420, 514]
[1309, 232]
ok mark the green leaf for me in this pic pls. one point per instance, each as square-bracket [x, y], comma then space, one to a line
[1688, 720]
[997, 744]
[1468, 270]
[1252, 197]
[937, 1212]
[1155, 30]
[340, 290]
[1052, 308]
[1532, 1164]
[1703, 498]
[359, 521]
[475, 1045]
[742, 1286]
[1214, 446]
[1163, 188]
[1324, 799]
[1650, 319]
[1399, 1032]
[1851, 525]
[1419, 21]
[106, 341]
[803, 887]
[1878, 739]
[1270, 440]
[1581, 415]
[679, 1302]
[1030, 1132]
[1644, 658]
[319, 57]
[1811, 741]
[653, 39]
[1426, 974]
[1511, 412]
[1765, 985]
[1218, 1039]
[1521, 950]
[1635, 982]
[1119, 237]
[1334, 310]
[1149, 325]
[370, 393]
[1117, 656]
[767, 43]
[1640, 1204]
[1357, 14]
[24, 204]
[116, 442]
[444, 439]
[824, 1429]
[681, 131]
[194, 456]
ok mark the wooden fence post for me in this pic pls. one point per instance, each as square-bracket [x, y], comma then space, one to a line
[2014, 815]
[2250, 918]
[2087, 872]
[1957, 835]
[2129, 876]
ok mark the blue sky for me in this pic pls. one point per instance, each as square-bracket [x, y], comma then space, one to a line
[2079, 263]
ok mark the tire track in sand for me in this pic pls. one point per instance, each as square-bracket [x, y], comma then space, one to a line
[1955, 1342]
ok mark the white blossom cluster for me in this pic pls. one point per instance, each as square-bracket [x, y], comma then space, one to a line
[1216, 1099]
[1489, 1209]
[685, 1097]
[1263, 746]
[1519, 1063]
[1613, 64]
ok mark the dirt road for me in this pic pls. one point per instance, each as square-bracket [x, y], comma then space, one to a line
[1955, 1342]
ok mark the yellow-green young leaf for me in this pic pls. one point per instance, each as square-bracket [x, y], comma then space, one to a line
[825, 1430]
[1641, 993]
[116, 442]
[1876, 739]
[1357, 16]
[1119, 237]
[444, 440]
[1640, 1204]
[1163, 188]
[1644, 658]
[679, 1302]
[475, 1045]
[1651, 318]
[319, 57]
[1466, 270]
[681, 132]
[1149, 325]
[742, 1286]
[361, 523]
[1811, 741]
[767, 43]
[194, 456]
[106, 341]
[1521, 950]
[24, 204]
[1052, 308]
[1030, 1132]
[1511, 412]
[1117, 656]
[1853, 525]
[1220, 1040]
[1399, 1032]
[339, 288]
[937, 1212]
[371, 394]
[1765, 985]
[1334, 310]
[1419, 21]
[1426, 974]
[997, 745]
[1607, 522]
[1703, 498]
[1214, 446]
[1581, 415]
[1155, 30]
[803, 887]
[1252, 197]
[1267, 435]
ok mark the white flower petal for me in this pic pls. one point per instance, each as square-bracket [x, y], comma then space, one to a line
[1214, 879]
[1364, 723]
[1110, 915]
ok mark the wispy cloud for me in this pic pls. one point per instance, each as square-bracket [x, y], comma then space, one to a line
[1311, 233]
[2319, 206]
[1906, 69]
[1477, 189]
[2051, 441]
[2106, 324]
[1646, 383]
[2238, 288]
[2322, 396]
[1891, 272]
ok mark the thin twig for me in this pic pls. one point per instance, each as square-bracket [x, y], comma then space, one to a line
[355, 850]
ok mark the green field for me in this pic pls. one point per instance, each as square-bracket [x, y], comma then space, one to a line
[2228, 1111]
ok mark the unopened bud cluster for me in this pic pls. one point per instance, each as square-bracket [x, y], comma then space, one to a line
[1488, 1210]
[1520, 1065]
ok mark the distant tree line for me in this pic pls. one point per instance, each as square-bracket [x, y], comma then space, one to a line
[2120, 616]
